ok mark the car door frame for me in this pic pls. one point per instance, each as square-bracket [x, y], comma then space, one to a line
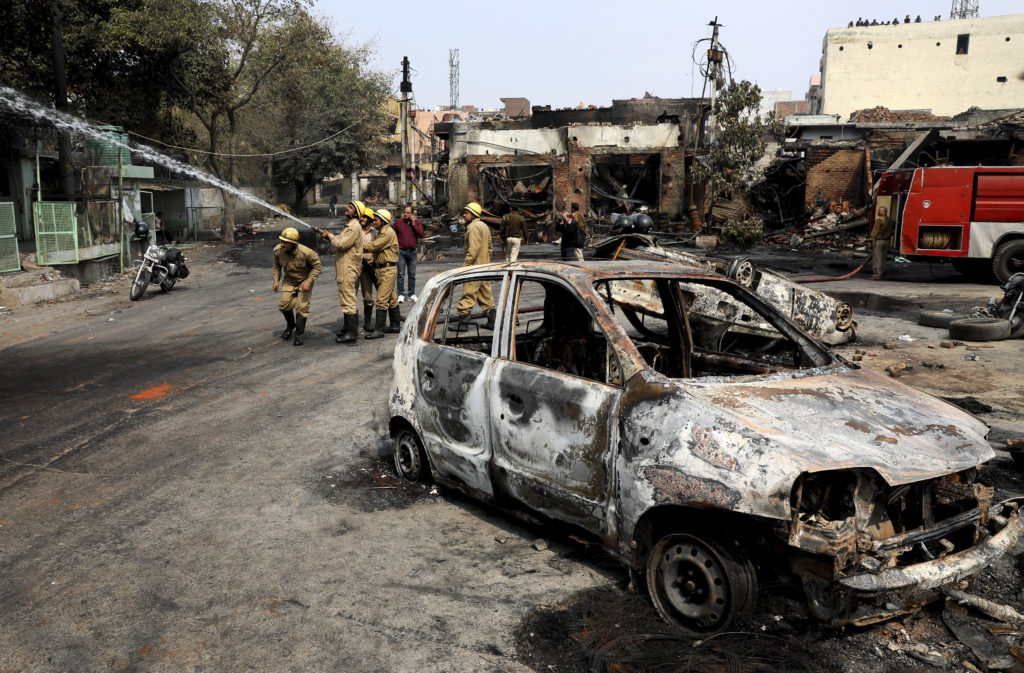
[456, 449]
[524, 473]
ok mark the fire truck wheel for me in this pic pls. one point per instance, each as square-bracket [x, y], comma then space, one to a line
[938, 318]
[980, 329]
[1008, 259]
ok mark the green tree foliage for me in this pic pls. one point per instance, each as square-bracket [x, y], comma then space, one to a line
[233, 76]
[331, 106]
[739, 133]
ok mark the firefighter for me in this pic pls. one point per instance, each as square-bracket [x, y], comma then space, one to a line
[367, 277]
[881, 233]
[478, 251]
[348, 262]
[385, 261]
[296, 267]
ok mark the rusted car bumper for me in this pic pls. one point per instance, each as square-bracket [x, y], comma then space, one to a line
[868, 598]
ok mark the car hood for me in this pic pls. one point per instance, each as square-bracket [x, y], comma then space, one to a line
[850, 418]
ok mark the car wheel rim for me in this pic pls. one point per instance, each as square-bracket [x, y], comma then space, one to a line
[745, 274]
[844, 316]
[407, 457]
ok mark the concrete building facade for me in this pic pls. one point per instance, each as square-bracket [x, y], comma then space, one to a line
[942, 66]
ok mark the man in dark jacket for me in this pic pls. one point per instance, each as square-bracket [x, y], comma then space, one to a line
[572, 238]
[409, 231]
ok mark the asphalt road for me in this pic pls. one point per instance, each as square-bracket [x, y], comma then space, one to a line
[181, 490]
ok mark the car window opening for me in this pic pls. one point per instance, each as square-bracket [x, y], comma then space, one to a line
[555, 330]
[701, 330]
[465, 332]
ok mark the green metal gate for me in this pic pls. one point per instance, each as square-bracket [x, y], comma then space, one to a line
[9, 259]
[56, 233]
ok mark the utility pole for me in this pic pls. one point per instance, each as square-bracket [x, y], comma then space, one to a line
[714, 74]
[406, 89]
[67, 172]
[453, 78]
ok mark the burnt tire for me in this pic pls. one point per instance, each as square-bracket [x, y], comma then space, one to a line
[410, 458]
[1008, 259]
[980, 329]
[698, 585]
[744, 272]
[938, 318]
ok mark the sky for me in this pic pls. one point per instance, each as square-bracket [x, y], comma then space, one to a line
[566, 52]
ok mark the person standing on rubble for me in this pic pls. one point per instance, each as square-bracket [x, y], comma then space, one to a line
[367, 281]
[296, 267]
[348, 262]
[881, 233]
[572, 238]
[409, 231]
[478, 251]
[514, 233]
[581, 222]
[385, 251]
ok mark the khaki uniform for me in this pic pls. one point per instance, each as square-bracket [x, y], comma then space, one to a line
[515, 232]
[292, 269]
[348, 262]
[881, 234]
[385, 260]
[367, 279]
[478, 251]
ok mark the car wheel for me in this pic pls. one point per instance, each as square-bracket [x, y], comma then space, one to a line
[410, 458]
[980, 329]
[743, 272]
[1008, 259]
[844, 317]
[698, 585]
[938, 318]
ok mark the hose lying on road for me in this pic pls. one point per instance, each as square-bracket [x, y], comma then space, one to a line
[822, 280]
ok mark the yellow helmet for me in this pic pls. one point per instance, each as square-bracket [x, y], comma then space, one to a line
[384, 215]
[290, 235]
[358, 205]
[474, 208]
[368, 213]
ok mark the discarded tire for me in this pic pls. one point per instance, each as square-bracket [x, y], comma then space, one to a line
[938, 318]
[980, 329]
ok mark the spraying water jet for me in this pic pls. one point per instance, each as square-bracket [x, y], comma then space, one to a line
[19, 103]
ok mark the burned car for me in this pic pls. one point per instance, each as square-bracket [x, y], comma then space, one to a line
[693, 447]
[825, 317]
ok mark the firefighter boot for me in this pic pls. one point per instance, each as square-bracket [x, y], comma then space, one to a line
[396, 320]
[367, 318]
[490, 320]
[350, 331]
[378, 330]
[300, 329]
[289, 318]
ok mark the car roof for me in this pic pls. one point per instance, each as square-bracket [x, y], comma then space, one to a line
[594, 270]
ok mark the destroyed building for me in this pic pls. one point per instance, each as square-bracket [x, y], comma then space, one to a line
[623, 158]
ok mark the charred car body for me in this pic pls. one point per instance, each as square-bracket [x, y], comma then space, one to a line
[693, 447]
[825, 317]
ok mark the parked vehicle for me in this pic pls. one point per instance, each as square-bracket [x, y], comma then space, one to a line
[690, 446]
[823, 316]
[972, 216]
[160, 266]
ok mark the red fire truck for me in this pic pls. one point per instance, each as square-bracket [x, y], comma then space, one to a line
[970, 216]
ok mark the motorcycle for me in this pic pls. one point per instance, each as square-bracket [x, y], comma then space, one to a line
[160, 266]
[1011, 306]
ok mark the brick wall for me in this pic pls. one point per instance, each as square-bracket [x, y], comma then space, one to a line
[837, 174]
